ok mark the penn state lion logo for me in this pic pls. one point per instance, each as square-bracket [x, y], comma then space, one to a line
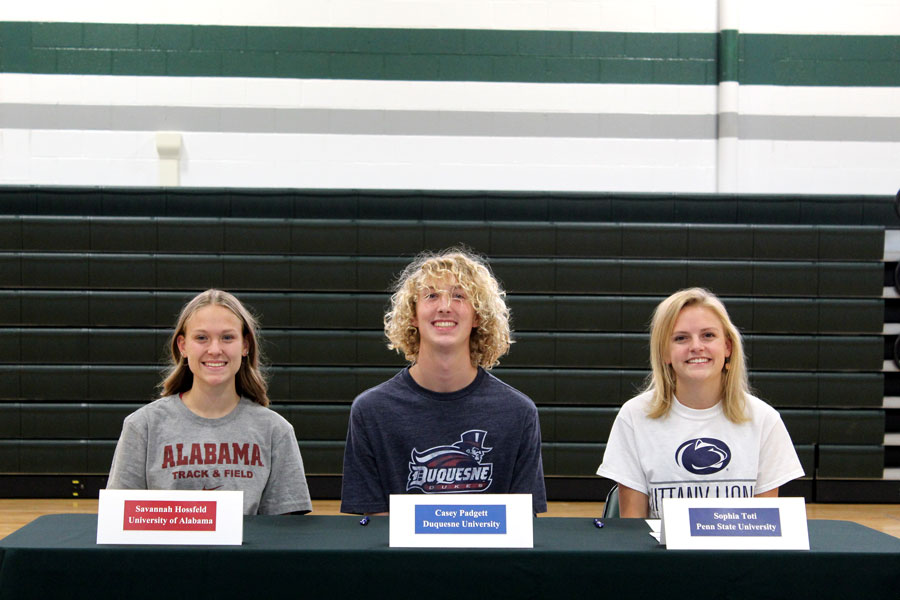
[703, 456]
[454, 468]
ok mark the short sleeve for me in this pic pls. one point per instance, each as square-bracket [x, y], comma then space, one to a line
[528, 477]
[129, 465]
[621, 460]
[361, 489]
[286, 491]
[778, 461]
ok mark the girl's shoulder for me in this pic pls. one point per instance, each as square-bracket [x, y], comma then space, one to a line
[638, 406]
[759, 409]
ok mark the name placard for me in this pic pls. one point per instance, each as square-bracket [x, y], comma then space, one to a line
[734, 524]
[461, 521]
[170, 517]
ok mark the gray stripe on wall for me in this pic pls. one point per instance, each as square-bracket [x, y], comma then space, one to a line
[729, 125]
[445, 123]
[356, 122]
[820, 129]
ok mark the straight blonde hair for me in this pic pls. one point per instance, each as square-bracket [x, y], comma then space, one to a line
[735, 385]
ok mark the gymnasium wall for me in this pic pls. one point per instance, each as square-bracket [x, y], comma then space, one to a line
[688, 96]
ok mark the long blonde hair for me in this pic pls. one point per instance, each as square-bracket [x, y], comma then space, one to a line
[489, 340]
[249, 380]
[735, 386]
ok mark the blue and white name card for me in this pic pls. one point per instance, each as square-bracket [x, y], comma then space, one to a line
[734, 524]
[461, 521]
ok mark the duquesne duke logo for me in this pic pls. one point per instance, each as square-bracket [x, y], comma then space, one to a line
[454, 468]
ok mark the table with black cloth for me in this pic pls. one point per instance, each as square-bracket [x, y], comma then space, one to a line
[56, 556]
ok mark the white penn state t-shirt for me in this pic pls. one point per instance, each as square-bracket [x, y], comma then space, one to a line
[693, 453]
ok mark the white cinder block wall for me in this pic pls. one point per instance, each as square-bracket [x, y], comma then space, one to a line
[643, 117]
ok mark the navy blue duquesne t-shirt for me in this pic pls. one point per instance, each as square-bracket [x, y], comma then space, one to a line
[404, 438]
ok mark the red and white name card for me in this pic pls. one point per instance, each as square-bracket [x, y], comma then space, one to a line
[170, 517]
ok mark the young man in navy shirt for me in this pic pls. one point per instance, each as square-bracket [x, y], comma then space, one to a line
[444, 424]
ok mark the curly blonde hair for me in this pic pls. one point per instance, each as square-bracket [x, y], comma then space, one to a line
[735, 385]
[490, 339]
[250, 381]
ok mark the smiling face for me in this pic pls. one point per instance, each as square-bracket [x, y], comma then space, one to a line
[697, 347]
[444, 316]
[214, 346]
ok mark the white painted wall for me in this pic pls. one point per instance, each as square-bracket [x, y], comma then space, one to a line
[565, 15]
[860, 17]
[116, 155]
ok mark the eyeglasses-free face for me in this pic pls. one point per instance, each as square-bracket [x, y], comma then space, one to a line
[214, 346]
[698, 346]
[444, 315]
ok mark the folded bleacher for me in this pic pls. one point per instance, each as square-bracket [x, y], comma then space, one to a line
[91, 281]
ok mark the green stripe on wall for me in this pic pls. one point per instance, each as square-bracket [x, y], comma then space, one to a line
[835, 60]
[728, 55]
[446, 54]
[351, 53]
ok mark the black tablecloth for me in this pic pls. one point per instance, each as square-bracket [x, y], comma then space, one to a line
[56, 556]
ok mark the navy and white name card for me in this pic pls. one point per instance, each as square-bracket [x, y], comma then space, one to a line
[734, 524]
[461, 521]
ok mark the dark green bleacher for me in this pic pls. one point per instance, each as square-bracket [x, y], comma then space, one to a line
[416, 205]
[91, 281]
